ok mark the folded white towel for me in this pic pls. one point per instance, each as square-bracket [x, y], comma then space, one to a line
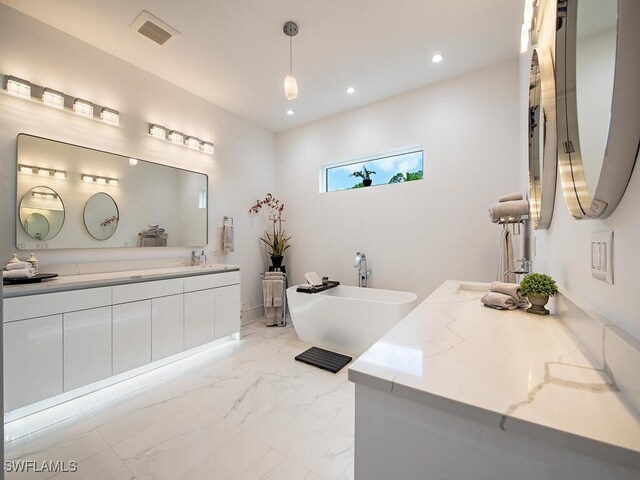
[228, 241]
[499, 301]
[511, 196]
[511, 289]
[511, 209]
[22, 273]
[18, 265]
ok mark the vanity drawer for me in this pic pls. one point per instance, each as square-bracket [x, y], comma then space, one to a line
[214, 280]
[42, 305]
[144, 290]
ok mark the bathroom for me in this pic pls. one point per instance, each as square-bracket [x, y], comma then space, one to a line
[467, 113]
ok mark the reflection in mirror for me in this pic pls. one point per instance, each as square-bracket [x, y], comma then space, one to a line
[598, 73]
[101, 216]
[542, 139]
[98, 186]
[37, 226]
[41, 213]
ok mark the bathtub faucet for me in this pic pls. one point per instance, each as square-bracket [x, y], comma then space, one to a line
[361, 265]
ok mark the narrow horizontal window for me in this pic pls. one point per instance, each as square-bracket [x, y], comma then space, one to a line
[383, 169]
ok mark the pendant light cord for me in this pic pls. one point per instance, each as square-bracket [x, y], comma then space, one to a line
[290, 56]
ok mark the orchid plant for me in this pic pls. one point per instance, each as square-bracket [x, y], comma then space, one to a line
[277, 241]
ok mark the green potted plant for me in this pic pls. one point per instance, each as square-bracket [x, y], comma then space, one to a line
[365, 175]
[538, 287]
[277, 242]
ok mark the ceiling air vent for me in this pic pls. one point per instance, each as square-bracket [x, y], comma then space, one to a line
[153, 28]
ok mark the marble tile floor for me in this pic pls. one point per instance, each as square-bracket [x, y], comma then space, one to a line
[245, 410]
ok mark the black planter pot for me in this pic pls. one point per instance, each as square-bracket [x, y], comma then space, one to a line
[276, 260]
[367, 182]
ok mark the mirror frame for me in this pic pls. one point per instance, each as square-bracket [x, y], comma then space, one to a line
[84, 215]
[18, 199]
[545, 100]
[623, 137]
[19, 218]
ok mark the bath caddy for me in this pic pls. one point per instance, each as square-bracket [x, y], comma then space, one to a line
[317, 288]
[324, 359]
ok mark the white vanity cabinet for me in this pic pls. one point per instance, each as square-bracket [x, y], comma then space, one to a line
[227, 313]
[167, 326]
[199, 310]
[131, 335]
[57, 342]
[87, 346]
[32, 360]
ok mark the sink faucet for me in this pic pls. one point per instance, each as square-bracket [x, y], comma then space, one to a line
[526, 267]
[361, 265]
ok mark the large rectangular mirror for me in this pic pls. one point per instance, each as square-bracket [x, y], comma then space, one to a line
[69, 196]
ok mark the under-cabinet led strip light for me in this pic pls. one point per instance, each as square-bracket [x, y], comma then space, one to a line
[53, 98]
[178, 138]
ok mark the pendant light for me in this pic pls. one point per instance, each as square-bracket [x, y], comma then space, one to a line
[290, 29]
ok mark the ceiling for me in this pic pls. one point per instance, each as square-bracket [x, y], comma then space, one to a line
[233, 52]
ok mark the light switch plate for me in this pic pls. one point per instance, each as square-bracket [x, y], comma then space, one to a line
[602, 256]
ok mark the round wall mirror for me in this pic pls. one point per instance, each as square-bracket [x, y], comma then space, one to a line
[41, 213]
[101, 216]
[542, 139]
[37, 226]
[598, 73]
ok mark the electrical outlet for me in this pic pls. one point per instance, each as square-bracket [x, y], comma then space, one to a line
[602, 256]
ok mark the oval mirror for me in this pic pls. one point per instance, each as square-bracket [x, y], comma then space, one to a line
[41, 213]
[101, 216]
[597, 73]
[542, 139]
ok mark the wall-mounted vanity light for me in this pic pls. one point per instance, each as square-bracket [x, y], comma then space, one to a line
[179, 138]
[42, 172]
[45, 195]
[53, 98]
[99, 180]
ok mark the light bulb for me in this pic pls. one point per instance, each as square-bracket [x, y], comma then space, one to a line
[437, 58]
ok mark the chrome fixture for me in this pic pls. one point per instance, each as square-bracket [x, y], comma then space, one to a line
[53, 98]
[290, 29]
[178, 138]
[361, 265]
[526, 267]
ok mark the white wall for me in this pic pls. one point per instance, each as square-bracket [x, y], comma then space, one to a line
[241, 170]
[564, 251]
[416, 234]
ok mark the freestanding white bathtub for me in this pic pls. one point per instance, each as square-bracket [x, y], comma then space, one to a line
[347, 319]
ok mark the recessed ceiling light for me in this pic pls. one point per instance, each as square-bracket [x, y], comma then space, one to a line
[290, 112]
[351, 90]
[437, 58]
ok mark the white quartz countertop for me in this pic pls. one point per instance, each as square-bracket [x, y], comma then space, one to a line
[520, 372]
[73, 282]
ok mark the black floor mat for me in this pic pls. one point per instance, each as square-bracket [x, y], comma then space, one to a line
[324, 359]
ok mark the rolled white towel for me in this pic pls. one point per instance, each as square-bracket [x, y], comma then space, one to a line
[512, 209]
[511, 289]
[18, 265]
[499, 301]
[23, 273]
[509, 197]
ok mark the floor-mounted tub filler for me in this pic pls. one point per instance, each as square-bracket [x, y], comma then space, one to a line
[347, 319]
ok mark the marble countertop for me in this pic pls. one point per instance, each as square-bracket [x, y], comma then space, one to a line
[75, 282]
[517, 371]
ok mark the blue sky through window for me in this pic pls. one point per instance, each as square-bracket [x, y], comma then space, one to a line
[339, 177]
